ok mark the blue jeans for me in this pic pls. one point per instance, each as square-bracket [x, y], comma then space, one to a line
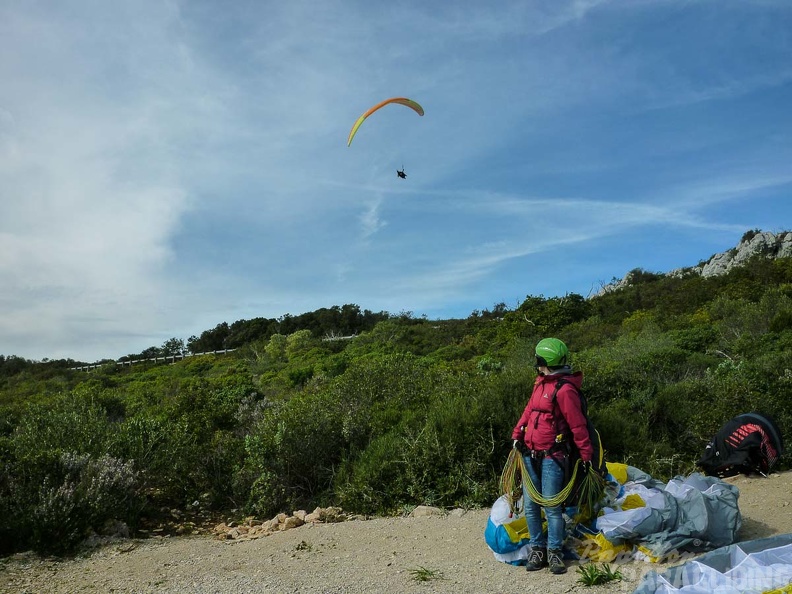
[548, 484]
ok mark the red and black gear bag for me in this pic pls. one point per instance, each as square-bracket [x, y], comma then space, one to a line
[748, 443]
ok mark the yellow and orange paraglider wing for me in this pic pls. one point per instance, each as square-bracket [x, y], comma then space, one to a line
[402, 100]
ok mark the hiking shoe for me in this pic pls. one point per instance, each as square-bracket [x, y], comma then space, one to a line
[536, 560]
[555, 559]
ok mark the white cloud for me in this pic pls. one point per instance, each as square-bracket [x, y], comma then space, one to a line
[89, 186]
[370, 219]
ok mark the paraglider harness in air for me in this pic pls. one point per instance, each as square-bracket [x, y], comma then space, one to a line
[401, 173]
[570, 455]
[750, 442]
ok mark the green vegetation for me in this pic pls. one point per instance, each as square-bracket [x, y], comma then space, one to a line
[403, 411]
[591, 575]
[422, 574]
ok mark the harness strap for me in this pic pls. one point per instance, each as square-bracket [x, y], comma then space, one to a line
[539, 454]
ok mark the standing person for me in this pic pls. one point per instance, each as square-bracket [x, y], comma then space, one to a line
[543, 435]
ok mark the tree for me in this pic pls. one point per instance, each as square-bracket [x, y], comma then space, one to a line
[549, 315]
[276, 348]
[210, 340]
[298, 343]
[173, 347]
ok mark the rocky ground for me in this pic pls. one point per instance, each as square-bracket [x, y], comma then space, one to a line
[356, 556]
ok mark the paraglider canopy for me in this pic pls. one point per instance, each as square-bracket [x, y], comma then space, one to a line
[400, 100]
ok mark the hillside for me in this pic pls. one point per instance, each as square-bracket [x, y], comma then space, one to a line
[408, 412]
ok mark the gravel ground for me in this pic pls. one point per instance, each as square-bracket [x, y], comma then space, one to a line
[366, 556]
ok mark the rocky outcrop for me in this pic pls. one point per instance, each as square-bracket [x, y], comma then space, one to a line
[769, 245]
[251, 528]
[752, 244]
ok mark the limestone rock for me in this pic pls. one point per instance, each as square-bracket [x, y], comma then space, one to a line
[423, 511]
[759, 243]
[291, 522]
[252, 528]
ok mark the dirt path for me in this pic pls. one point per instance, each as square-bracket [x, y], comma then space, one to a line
[370, 556]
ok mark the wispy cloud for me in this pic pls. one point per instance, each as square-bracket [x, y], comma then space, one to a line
[731, 186]
[687, 93]
[370, 219]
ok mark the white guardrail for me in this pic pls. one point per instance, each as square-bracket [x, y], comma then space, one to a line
[168, 359]
[174, 358]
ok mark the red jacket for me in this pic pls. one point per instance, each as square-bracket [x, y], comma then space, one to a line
[542, 419]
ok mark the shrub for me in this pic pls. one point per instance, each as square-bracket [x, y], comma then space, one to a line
[77, 497]
[167, 456]
[89, 492]
[69, 424]
[292, 451]
[448, 455]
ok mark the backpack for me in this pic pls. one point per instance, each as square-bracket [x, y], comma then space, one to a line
[750, 442]
[572, 452]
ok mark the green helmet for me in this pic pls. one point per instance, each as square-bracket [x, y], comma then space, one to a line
[551, 352]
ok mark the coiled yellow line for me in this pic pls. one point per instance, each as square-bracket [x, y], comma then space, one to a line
[515, 472]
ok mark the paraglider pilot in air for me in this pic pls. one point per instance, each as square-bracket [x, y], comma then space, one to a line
[401, 173]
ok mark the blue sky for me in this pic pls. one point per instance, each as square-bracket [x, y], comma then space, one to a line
[169, 165]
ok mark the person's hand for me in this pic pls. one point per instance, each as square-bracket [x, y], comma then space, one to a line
[516, 444]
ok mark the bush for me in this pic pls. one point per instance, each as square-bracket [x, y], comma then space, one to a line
[449, 455]
[69, 424]
[167, 456]
[54, 507]
[292, 452]
[87, 493]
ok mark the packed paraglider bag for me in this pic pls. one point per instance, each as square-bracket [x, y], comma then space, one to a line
[748, 443]
[506, 533]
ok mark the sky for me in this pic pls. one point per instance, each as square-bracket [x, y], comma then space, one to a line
[169, 165]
